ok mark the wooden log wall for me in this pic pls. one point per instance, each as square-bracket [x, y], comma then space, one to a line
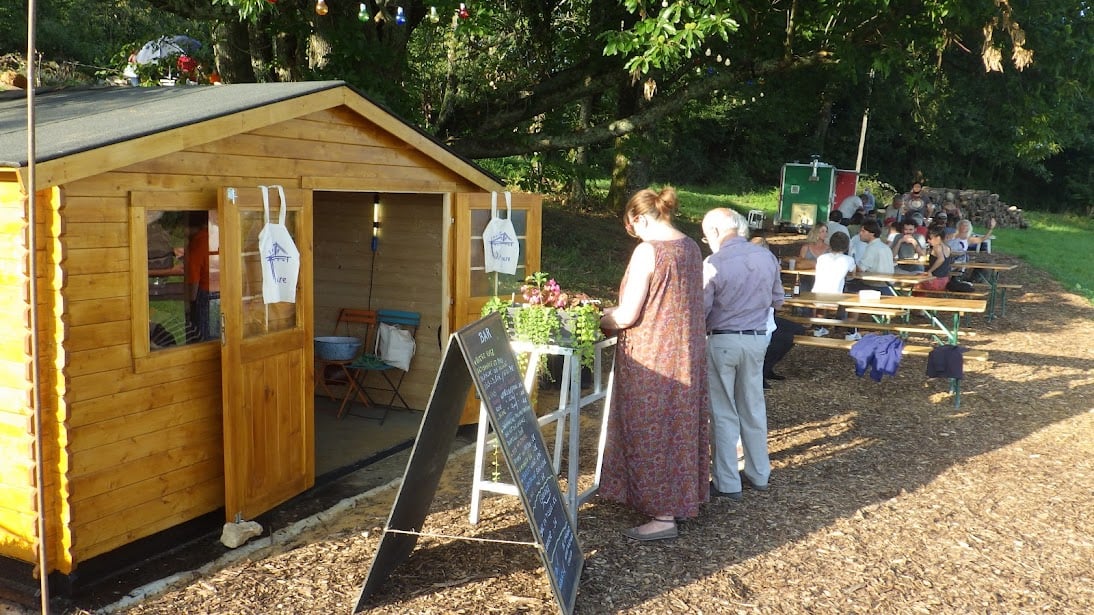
[979, 206]
[18, 472]
[143, 450]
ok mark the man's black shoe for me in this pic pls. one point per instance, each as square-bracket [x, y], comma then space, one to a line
[774, 376]
[736, 496]
[746, 482]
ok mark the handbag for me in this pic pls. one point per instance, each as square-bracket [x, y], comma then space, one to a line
[396, 346]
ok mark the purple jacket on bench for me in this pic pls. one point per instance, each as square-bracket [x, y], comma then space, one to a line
[878, 353]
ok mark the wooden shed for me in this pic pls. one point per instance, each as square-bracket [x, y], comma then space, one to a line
[158, 405]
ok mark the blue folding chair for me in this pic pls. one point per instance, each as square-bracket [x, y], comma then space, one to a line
[373, 362]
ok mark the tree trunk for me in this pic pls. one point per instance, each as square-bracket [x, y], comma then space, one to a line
[618, 189]
[578, 196]
[261, 50]
[824, 119]
[230, 46]
[625, 165]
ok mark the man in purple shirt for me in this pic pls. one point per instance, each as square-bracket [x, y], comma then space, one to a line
[740, 284]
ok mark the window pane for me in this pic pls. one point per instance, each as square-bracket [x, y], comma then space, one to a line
[183, 278]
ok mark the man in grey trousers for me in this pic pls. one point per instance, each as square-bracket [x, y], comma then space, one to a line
[740, 284]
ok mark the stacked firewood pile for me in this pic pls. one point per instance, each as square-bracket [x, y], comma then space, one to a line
[979, 206]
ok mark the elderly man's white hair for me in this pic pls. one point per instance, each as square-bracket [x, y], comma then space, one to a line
[723, 219]
[741, 224]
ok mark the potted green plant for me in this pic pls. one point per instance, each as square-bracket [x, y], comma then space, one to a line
[582, 321]
[548, 315]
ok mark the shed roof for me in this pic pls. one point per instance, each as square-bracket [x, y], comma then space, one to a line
[73, 121]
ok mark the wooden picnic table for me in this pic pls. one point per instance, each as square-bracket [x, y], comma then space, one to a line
[989, 272]
[934, 308]
[931, 307]
[896, 280]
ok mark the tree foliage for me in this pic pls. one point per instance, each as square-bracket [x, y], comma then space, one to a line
[987, 93]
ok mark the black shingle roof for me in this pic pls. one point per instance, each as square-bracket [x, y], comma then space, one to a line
[77, 120]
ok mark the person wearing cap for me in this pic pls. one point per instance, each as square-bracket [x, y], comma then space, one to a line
[741, 283]
[948, 224]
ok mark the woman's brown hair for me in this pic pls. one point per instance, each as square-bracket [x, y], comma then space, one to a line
[657, 205]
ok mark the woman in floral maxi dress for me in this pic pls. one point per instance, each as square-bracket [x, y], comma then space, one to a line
[657, 455]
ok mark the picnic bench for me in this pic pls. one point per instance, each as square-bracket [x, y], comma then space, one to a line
[933, 308]
[989, 273]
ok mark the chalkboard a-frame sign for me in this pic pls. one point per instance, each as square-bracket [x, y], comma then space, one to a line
[488, 360]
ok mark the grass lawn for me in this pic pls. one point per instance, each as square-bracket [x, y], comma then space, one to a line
[588, 252]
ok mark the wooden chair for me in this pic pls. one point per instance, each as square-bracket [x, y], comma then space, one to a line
[372, 361]
[351, 322]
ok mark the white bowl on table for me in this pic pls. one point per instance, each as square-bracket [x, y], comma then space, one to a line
[866, 296]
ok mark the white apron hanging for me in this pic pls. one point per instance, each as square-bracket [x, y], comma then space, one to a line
[280, 258]
[500, 239]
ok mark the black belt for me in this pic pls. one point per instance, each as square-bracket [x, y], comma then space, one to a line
[728, 332]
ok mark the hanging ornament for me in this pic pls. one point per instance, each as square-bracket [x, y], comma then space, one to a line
[400, 16]
[321, 8]
[433, 16]
[463, 12]
[362, 13]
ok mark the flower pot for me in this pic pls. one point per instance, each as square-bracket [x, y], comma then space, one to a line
[566, 334]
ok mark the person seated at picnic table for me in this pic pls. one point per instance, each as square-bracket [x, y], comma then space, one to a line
[780, 334]
[943, 219]
[855, 223]
[876, 258]
[895, 211]
[963, 240]
[835, 223]
[908, 246]
[833, 267]
[816, 243]
[896, 229]
[939, 262]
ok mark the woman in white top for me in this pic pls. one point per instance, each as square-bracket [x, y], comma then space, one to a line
[833, 266]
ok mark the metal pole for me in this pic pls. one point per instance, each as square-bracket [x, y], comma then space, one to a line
[32, 268]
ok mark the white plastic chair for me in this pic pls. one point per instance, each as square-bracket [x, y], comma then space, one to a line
[756, 219]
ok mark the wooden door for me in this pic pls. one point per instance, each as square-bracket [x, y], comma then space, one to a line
[473, 286]
[269, 448]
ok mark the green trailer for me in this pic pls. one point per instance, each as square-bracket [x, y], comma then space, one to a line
[806, 193]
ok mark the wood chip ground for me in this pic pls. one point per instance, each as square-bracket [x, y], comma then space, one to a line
[884, 499]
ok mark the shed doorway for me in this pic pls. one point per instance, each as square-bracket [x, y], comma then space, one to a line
[403, 269]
